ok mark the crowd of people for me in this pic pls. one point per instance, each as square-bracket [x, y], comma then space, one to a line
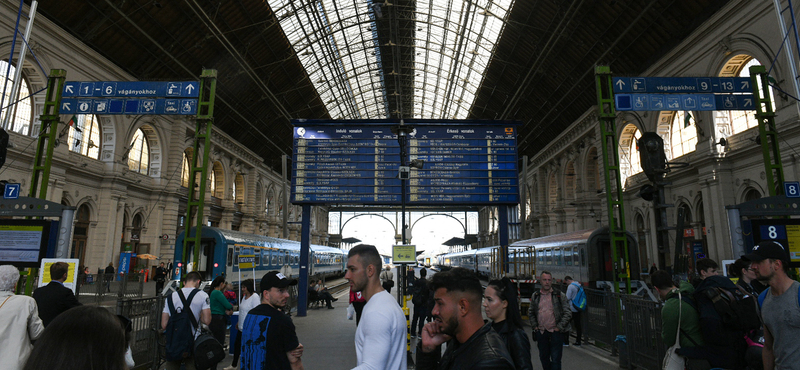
[750, 324]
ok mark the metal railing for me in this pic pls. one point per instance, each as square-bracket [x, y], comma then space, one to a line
[642, 321]
[145, 316]
[602, 316]
[98, 288]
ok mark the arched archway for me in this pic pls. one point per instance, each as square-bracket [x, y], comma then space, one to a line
[80, 234]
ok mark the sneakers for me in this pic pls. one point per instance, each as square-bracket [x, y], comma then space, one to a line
[231, 368]
[331, 307]
[335, 299]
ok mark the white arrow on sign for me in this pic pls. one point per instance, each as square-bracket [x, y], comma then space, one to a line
[65, 107]
[69, 89]
[748, 102]
[189, 88]
[746, 84]
[621, 84]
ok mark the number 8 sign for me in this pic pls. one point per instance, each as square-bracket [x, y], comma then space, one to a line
[792, 189]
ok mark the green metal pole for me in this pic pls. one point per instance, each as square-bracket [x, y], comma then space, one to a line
[766, 130]
[616, 211]
[202, 141]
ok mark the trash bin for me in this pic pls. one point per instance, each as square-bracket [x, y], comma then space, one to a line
[622, 348]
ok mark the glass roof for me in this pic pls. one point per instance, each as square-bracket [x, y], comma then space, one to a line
[337, 43]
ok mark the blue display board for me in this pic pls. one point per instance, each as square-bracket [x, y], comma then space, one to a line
[784, 231]
[678, 102]
[133, 89]
[129, 106]
[682, 85]
[464, 163]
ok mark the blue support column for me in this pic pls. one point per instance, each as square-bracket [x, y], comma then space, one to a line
[305, 249]
[503, 211]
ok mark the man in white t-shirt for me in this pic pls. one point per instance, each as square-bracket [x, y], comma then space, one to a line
[201, 309]
[381, 334]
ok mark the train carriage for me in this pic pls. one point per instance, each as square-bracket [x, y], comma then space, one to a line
[220, 250]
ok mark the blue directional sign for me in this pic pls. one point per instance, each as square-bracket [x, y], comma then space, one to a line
[129, 106]
[680, 102]
[682, 85]
[132, 89]
[791, 189]
[470, 163]
[11, 191]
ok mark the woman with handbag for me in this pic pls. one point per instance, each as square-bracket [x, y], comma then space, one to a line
[220, 309]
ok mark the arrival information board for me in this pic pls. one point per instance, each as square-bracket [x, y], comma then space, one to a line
[359, 164]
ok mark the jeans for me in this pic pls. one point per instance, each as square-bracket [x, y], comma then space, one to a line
[576, 323]
[551, 345]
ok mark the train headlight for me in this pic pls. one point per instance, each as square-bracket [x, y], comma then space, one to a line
[180, 264]
[216, 265]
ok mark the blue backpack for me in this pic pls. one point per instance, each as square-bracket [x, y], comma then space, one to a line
[180, 330]
[763, 296]
[580, 299]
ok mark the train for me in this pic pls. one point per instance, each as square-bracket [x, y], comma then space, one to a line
[584, 255]
[220, 250]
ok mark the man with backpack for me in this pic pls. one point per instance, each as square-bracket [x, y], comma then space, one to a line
[780, 306]
[179, 326]
[577, 296]
[678, 313]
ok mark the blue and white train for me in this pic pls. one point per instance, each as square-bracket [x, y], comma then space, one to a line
[220, 249]
[584, 255]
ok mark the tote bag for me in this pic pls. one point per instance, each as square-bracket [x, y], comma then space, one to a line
[674, 361]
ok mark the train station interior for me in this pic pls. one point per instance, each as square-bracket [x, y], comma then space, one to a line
[531, 64]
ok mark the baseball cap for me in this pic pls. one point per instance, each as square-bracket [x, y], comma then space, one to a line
[275, 279]
[765, 250]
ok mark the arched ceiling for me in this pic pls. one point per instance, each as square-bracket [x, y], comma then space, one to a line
[277, 60]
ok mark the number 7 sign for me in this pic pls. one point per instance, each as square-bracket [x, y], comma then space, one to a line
[11, 191]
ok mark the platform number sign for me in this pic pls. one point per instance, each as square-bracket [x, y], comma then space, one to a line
[11, 191]
[792, 189]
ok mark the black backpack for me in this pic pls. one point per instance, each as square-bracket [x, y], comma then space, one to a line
[180, 331]
[736, 308]
[420, 291]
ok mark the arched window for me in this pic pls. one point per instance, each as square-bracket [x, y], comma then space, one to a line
[552, 191]
[84, 135]
[741, 120]
[238, 189]
[592, 178]
[683, 134]
[185, 168]
[21, 112]
[139, 154]
[751, 194]
[630, 163]
[217, 181]
[569, 182]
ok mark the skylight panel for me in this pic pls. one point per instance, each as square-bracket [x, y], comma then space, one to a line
[458, 39]
[331, 44]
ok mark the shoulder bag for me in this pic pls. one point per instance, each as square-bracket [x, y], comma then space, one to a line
[674, 361]
[208, 352]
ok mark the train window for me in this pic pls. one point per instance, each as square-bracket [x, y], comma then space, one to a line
[575, 257]
[568, 256]
[236, 257]
[548, 257]
[274, 258]
[540, 257]
[280, 258]
[258, 258]
[583, 257]
[557, 256]
[230, 256]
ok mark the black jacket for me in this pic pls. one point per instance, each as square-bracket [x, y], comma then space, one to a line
[484, 350]
[517, 344]
[53, 299]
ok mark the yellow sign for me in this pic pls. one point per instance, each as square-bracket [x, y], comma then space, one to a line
[72, 273]
[247, 261]
[404, 254]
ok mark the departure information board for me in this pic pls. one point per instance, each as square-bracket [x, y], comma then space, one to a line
[784, 231]
[465, 163]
